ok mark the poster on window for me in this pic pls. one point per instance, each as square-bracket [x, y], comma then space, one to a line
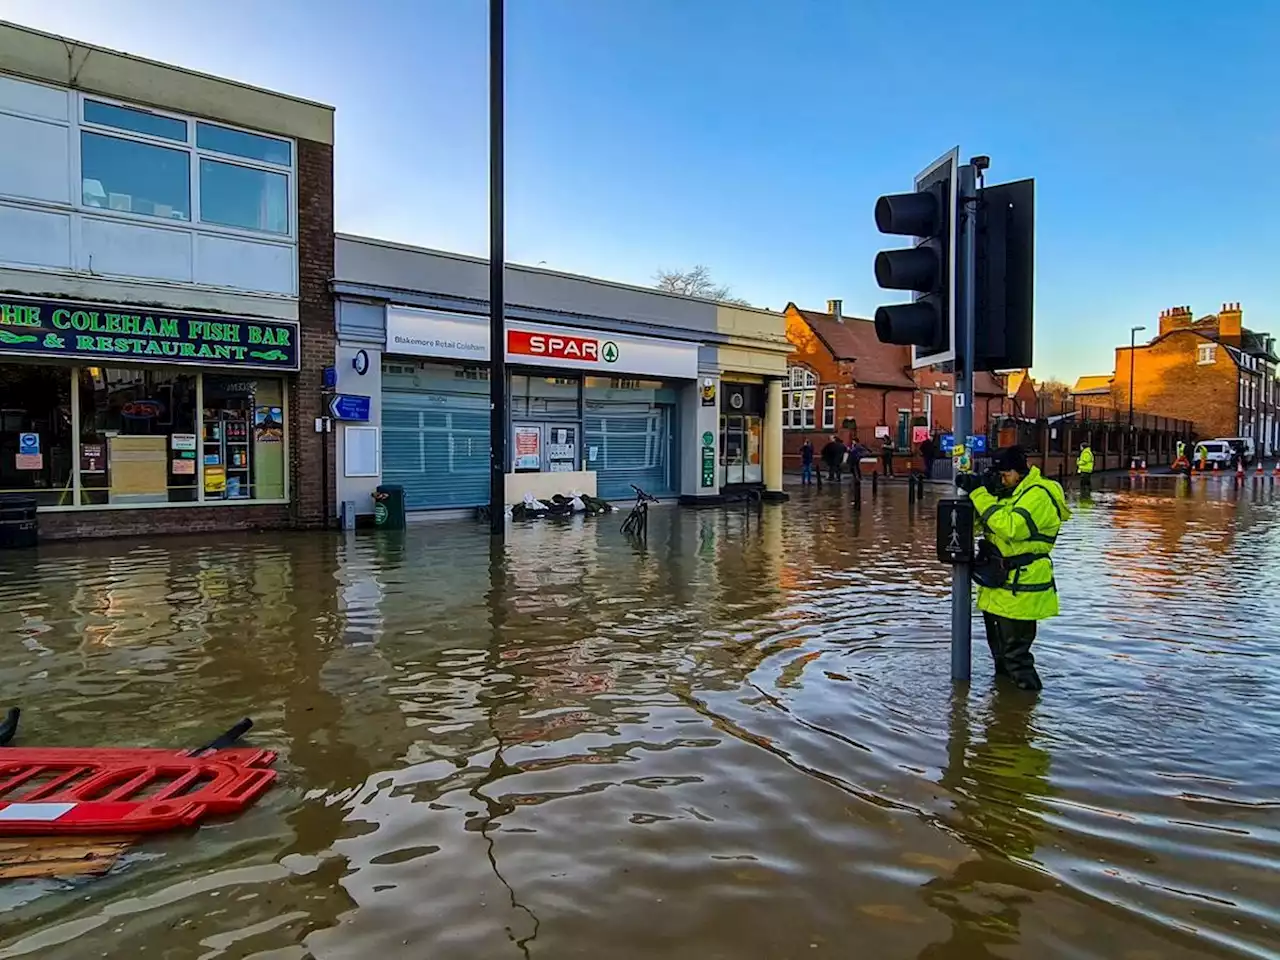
[882, 433]
[528, 448]
[919, 434]
[268, 424]
[93, 458]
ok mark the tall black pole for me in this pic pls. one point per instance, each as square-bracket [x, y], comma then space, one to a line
[497, 260]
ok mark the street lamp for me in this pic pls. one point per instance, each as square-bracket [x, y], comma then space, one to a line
[1133, 343]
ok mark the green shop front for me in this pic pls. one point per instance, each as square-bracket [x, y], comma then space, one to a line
[119, 407]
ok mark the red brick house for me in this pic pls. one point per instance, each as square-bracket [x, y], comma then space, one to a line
[844, 380]
[1213, 371]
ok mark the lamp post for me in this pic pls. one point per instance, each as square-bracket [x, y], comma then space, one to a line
[1133, 343]
[497, 261]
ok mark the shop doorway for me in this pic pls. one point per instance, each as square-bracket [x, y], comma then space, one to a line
[544, 447]
[740, 460]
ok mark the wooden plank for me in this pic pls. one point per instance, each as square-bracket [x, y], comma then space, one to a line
[31, 857]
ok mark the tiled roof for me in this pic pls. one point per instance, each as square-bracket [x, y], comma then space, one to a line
[1100, 383]
[874, 363]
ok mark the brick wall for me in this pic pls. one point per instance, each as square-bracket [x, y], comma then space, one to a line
[142, 523]
[1169, 380]
[809, 351]
[318, 332]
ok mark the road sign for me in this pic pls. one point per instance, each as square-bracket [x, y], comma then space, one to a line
[346, 406]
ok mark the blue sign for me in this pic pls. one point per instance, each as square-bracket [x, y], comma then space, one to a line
[978, 444]
[948, 441]
[28, 444]
[329, 378]
[346, 406]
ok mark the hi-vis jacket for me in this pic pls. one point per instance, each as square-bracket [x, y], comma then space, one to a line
[1023, 527]
[1084, 462]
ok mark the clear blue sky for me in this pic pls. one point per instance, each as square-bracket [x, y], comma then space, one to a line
[754, 135]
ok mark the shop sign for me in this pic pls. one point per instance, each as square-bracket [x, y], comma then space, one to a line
[708, 393]
[73, 330]
[462, 336]
[708, 466]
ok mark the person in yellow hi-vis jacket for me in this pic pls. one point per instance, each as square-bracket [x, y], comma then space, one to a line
[1020, 512]
[1084, 467]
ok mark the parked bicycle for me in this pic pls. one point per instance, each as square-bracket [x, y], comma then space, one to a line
[637, 522]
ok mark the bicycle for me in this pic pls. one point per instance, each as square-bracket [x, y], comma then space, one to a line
[637, 522]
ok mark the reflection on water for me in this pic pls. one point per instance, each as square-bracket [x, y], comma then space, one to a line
[738, 740]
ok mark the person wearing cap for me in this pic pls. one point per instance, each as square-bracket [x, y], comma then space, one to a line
[1084, 467]
[1020, 511]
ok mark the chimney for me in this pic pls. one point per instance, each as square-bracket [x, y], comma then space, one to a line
[836, 309]
[1230, 327]
[1175, 318]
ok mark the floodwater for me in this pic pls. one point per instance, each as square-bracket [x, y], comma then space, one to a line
[738, 742]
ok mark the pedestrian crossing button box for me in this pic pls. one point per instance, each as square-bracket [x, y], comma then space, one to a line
[955, 530]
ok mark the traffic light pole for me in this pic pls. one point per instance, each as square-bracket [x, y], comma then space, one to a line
[965, 311]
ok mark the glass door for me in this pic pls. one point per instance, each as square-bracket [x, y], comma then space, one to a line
[733, 449]
[753, 463]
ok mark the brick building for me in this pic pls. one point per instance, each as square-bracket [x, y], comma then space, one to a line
[842, 379]
[1213, 371]
[166, 245]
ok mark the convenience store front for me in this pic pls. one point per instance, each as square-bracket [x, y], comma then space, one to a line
[109, 407]
[580, 402]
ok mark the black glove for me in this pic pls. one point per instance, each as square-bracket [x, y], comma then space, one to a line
[968, 482]
[994, 483]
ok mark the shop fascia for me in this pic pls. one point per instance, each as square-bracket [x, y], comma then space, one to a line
[465, 337]
[68, 461]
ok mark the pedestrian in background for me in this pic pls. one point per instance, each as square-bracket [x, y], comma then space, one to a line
[886, 454]
[806, 463]
[856, 452]
[832, 454]
[928, 453]
[1084, 467]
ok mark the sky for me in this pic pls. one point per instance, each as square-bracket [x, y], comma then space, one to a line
[754, 136]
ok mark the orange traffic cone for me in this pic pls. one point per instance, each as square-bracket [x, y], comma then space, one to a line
[1259, 470]
[1142, 466]
[1276, 472]
[1239, 469]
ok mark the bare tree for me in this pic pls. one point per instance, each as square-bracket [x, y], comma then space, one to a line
[695, 283]
[1052, 387]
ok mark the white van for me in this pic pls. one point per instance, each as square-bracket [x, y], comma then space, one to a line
[1245, 445]
[1219, 453]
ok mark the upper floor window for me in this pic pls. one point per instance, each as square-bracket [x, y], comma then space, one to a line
[829, 408]
[139, 161]
[1207, 353]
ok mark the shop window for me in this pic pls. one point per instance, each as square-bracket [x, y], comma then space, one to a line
[36, 441]
[235, 196]
[533, 396]
[134, 177]
[137, 436]
[242, 438]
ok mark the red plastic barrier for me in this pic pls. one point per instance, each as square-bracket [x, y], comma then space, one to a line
[148, 788]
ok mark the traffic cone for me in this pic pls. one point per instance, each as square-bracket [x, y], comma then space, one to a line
[1133, 467]
[1276, 472]
[1260, 471]
[1239, 469]
[1142, 466]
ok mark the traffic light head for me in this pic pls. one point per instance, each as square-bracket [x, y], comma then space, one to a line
[926, 268]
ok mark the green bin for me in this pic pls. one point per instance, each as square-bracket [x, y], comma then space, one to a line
[388, 507]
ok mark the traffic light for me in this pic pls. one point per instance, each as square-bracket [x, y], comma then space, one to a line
[927, 269]
[1005, 276]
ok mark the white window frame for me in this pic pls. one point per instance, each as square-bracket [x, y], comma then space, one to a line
[828, 408]
[75, 125]
[800, 399]
[199, 374]
[1207, 353]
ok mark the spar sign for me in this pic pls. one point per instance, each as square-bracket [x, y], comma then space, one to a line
[561, 346]
[447, 335]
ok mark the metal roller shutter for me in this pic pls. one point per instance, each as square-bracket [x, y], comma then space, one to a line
[632, 446]
[436, 445]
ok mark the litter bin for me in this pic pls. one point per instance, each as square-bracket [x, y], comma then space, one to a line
[18, 525]
[388, 507]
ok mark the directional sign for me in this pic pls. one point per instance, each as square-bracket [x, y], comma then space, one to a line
[346, 406]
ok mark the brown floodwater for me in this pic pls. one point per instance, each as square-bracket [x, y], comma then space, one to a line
[740, 741]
